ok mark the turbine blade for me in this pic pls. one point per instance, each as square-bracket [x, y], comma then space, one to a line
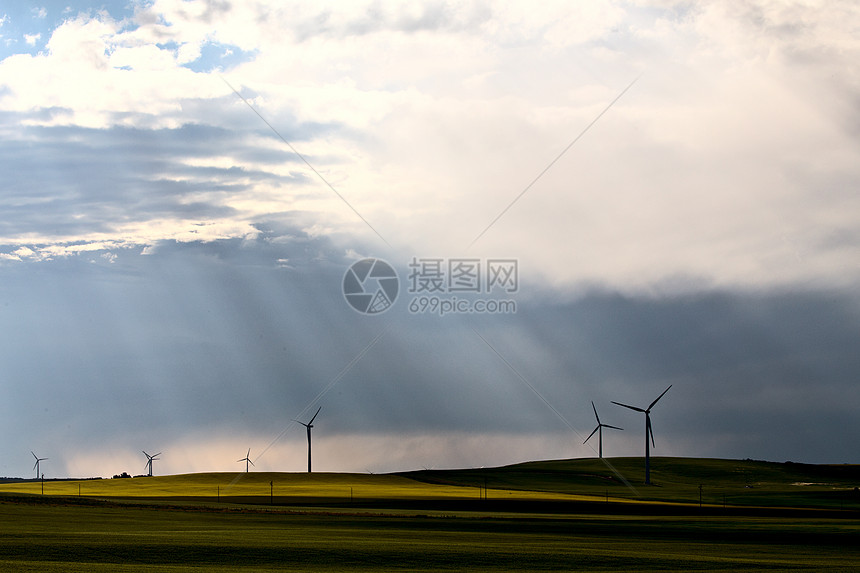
[158, 454]
[34, 455]
[252, 463]
[36, 464]
[595, 412]
[658, 397]
[613, 427]
[631, 407]
[591, 434]
[315, 416]
[144, 453]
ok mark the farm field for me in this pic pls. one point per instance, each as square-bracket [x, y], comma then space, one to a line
[675, 481]
[67, 537]
[253, 488]
[528, 518]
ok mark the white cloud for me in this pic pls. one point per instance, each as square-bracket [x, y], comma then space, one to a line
[23, 253]
[722, 164]
[100, 73]
[31, 39]
[143, 58]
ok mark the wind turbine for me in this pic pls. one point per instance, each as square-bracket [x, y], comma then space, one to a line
[247, 460]
[310, 425]
[648, 432]
[149, 460]
[599, 430]
[36, 465]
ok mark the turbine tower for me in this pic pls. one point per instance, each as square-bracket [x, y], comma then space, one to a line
[149, 460]
[247, 460]
[648, 432]
[36, 465]
[310, 425]
[599, 430]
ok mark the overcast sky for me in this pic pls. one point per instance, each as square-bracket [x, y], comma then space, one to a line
[184, 185]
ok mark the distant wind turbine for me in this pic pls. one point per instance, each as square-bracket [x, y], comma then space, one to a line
[648, 432]
[247, 460]
[599, 430]
[36, 465]
[149, 460]
[310, 425]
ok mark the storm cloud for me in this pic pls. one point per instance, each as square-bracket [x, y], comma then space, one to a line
[677, 183]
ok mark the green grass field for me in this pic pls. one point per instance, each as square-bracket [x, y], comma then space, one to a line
[731, 482]
[320, 489]
[537, 516]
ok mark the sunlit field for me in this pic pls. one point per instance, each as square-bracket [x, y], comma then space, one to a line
[280, 488]
[674, 481]
[523, 517]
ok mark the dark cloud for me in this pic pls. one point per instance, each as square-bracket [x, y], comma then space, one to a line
[206, 336]
[71, 180]
[238, 336]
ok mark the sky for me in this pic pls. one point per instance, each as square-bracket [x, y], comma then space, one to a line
[578, 202]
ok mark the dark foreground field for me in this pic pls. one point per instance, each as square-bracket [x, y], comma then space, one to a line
[110, 537]
[513, 530]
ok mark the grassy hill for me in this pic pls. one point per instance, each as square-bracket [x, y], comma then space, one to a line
[263, 488]
[674, 480]
[738, 482]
